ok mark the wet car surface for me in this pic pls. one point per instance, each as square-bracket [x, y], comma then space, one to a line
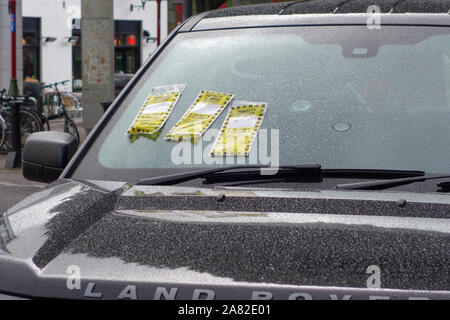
[132, 224]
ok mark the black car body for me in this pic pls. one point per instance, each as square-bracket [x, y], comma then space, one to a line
[85, 236]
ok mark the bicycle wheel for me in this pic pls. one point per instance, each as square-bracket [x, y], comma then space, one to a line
[37, 119]
[7, 141]
[45, 122]
[70, 127]
[2, 134]
[29, 123]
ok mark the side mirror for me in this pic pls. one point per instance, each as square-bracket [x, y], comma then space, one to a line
[46, 154]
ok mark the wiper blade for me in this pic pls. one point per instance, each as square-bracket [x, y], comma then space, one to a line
[289, 176]
[385, 184]
[286, 172]
[307, 170]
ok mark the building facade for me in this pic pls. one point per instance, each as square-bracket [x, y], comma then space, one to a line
[52, 37]
[50, 48]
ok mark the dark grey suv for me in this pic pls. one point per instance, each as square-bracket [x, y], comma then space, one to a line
[286, 151]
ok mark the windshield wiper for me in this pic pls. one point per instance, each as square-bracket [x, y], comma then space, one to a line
[289, 176]
[385, 184]
[310, 170]
[298, 173]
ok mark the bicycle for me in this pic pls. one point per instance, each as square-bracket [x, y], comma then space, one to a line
[69, 124]
[30, 104]
[29, 123]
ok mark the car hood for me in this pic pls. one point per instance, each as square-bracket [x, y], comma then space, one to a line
[94, 239]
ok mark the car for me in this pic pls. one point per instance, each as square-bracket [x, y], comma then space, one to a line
[282, 151]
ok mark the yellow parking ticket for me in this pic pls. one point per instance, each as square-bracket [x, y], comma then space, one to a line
[155, 111]
[199, 116]
[239, 129]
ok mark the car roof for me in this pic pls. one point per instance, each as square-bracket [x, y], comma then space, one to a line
[336, 6]
[326, 12]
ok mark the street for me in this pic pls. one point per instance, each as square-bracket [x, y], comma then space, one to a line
[13, 186]
[11, 192]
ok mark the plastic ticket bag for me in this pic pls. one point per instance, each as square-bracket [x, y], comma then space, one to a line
[200, 115]
[239, 129]
[154, 113]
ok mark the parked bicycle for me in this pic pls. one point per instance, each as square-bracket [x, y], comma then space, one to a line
[29, 121]
[61, 110]
[31, 105]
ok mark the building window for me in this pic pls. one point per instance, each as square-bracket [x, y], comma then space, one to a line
[31, 49]
[127, 46]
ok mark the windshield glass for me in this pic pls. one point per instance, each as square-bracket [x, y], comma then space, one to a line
[343, 97]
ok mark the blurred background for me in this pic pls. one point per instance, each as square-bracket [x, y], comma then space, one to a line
[73, 57]
[49, 40]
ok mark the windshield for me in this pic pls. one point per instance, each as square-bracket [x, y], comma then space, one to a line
[343, 97]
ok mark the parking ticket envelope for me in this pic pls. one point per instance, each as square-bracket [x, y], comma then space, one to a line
[200, 115]
[154, 113]
[239, 129]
